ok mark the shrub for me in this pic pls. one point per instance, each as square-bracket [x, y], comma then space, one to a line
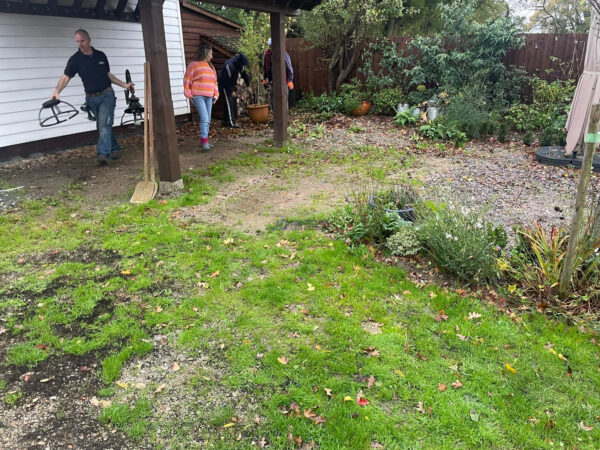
[440, 131]
[404, 118]
[461, 242]
[528, 138]
[469, 111]
[386, 101]
[404, 242]
[537, 260]
[371, 217]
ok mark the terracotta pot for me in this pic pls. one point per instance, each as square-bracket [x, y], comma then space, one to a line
[258, 113]
[363, 109]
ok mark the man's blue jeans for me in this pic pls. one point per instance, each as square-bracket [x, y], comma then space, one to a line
[204, 107]
[103, 107]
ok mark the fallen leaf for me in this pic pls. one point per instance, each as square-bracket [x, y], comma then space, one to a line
[461, 337]
[440, 316]
[309, 414]
[122, 384]
[399, 373]
[262, 443]
[432, 295]
[215, 274]
[45, 380]
[319, 419]
[125, 272]
[310, 287]
[372, 351]
[347, 398]
[227, 425]
[175, 367]
[442, 387]
[510, 368]
[160, 388]
[420, 408]
[474, 415]
[328, 392]
[457, 384]
[583, 427]
[85, 369]
[360, 400]
[473, 315]
[370, 381]
[562, 357]
[283, 360]
[548, 345]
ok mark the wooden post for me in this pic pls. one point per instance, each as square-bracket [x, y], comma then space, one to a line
[155, 47]
[582, 188]
[280, 101]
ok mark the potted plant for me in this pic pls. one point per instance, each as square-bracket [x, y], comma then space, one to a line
[253, 43]
[356, 99]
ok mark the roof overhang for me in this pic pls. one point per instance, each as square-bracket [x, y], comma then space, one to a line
[286, 7]
[128, 11]
[122, 10]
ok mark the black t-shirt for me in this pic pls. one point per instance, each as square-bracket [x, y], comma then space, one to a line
[92, 70]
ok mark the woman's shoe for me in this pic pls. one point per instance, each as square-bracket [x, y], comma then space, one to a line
[206, 146]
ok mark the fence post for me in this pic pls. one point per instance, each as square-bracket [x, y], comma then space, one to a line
[582, 188]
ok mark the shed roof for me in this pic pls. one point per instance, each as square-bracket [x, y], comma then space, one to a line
[127, 10]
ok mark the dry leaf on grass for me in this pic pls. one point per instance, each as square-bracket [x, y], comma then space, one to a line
[457, 384]
[283, 360]
[442, 387]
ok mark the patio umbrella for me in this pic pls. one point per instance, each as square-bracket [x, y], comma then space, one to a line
[588, 89]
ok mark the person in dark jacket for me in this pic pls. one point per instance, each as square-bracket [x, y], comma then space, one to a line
[268, 73]
[227, 82]
[268, 68]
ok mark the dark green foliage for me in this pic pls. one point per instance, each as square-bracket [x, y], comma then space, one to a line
[371, 217]
[404, 118]
[461, 242]
[444, 131]
[528, 138]
[386, 101]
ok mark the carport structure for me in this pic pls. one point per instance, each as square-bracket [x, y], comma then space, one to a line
[150, 14]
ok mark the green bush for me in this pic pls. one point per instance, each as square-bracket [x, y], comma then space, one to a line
[461, 242]
[440, 131]
[404, 242]
[404, 118]
[386, 101]
[528, 138]
[370, 217]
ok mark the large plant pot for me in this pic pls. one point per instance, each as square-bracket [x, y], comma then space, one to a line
[258, 113]
[362, 110]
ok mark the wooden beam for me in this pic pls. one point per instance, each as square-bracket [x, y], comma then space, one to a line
[155, 47]
[257, 5]
[100, 8]
[280, 101]
[120, 8]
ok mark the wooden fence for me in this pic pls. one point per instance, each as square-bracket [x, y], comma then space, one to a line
[537, 57]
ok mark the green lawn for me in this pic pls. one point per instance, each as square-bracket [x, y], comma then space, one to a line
[293, 323]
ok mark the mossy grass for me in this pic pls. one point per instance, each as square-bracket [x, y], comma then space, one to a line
[283, 318]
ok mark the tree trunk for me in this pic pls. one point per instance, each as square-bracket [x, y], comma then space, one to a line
[582, 188]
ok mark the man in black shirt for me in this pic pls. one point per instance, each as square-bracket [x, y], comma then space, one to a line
[94, 71]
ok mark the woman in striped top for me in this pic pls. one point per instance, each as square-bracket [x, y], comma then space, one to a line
[200, 85]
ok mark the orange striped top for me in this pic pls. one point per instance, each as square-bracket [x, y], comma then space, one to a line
[200, 79]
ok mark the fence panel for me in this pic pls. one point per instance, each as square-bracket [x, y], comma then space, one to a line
[537, 57]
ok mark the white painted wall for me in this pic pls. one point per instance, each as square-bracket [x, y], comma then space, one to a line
[33, 54]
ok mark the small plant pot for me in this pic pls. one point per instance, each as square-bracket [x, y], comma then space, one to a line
[408, 214]
[258, 113]
[362, 110]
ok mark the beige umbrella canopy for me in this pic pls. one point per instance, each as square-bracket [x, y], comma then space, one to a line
[588, 89]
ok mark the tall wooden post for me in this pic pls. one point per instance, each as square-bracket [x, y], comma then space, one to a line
[280, 101]
[582, 188]
[155, 47]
